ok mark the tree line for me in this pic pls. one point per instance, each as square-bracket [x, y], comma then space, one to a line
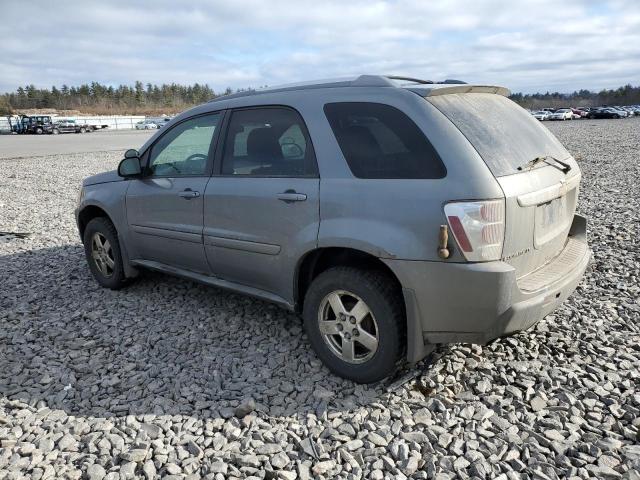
[626, 95]
[95, 98]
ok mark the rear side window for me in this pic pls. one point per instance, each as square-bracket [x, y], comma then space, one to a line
[379, 141]
[268, 142]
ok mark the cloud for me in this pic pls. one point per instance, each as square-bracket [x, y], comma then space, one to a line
[529, 45]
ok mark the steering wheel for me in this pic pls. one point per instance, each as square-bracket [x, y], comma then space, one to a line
[195, 156]
[171, 165]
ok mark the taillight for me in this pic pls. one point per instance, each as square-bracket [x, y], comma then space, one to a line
[478, 228]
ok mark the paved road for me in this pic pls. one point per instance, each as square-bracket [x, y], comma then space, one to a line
[13, 146]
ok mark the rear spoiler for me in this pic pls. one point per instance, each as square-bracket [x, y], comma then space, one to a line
[451, 89]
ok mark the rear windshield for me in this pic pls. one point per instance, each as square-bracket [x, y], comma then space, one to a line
[505, 135]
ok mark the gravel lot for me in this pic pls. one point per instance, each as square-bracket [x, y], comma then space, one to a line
[176, 380]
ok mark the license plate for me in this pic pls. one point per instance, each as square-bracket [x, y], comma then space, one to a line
[552, 212]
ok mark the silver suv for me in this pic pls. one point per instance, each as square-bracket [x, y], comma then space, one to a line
[392, 213]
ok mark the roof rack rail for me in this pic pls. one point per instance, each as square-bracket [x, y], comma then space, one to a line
[410, 79]
[357, 81]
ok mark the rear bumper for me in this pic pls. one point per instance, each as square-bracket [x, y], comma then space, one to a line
[478, 302]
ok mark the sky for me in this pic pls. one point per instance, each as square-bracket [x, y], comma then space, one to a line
[526, 45]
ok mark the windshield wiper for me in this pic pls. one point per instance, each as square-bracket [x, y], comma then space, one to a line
[565, 167]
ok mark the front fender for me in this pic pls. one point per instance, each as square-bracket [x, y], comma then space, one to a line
[110, 198]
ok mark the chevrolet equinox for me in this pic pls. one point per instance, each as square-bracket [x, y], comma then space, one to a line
[391, 213]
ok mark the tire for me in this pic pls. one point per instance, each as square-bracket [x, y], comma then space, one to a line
[55, 131]
[114, 277]
[38, 131]
[385, 321]
[82, 130]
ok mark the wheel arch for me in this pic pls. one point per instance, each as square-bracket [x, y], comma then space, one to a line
[91, 211]
[316, 261]
[88, 213]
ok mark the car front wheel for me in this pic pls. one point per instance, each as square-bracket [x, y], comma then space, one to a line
[355, 322]
[102, 250]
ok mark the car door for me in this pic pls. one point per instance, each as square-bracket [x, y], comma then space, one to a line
[165, 206]
[261, 207]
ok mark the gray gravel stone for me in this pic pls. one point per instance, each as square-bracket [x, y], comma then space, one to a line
[96, 472]
[149, 470]
[202, 383]
[247, 406]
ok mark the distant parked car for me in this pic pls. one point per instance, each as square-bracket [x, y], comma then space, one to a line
[562, 114]
[36, 124]
[162, 122]
[146, 125]
[541, 115]
[577, 113]
[604, 113]
[621, 111]
[69, 126]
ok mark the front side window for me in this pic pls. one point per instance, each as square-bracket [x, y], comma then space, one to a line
[184, 150]
[379, 141]
[269, 142]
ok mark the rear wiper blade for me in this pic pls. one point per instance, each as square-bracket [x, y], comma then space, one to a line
[565, 167]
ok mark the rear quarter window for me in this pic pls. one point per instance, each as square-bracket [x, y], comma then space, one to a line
[505, 135]
[380, 141]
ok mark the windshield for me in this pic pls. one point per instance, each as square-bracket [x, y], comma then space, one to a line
[504, 134]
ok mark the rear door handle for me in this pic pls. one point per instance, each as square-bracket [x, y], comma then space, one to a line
[291, 196]
[189, 194]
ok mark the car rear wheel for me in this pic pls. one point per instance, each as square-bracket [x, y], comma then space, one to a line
[355, 322]
[102, 250]
[38, 131]
[55, 131]
[82, 130]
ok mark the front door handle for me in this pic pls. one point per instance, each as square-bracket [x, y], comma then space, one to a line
[189, 194]
[291, 196]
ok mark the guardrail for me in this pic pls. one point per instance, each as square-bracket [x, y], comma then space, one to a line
[113, 122]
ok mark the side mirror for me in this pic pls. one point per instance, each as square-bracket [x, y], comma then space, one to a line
[131, 153]
[291, 151]
[130, 166]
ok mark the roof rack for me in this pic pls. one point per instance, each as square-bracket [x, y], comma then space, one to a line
[356, 81]
[409, 79]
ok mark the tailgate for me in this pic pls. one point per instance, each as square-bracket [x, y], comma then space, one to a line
[539, 209]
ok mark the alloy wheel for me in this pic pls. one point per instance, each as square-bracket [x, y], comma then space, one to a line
[348, 326]
[102, 254]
